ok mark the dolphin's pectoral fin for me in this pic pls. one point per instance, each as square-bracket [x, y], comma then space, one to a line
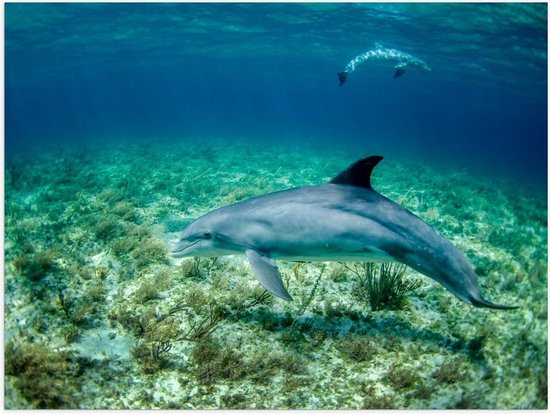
[267, 274]
[399, 72]
[342, 76]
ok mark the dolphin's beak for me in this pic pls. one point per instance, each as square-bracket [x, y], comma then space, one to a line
[180, 249]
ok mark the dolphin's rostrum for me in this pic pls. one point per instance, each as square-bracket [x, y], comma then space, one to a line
[401, 60]
[343, 220]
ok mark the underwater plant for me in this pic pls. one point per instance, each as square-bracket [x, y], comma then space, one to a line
[191, 268]
[150, 289]
[232, 401]
[149, 251]
[108, 227]
[45, 378]
[212, 361]
[402, 377]
[307, 298]
[356, 348]
[35, 266]
[111, 196]
[126, 211]
[80, 310]
[450, 372]
[193, 319]
[134, 244]
[385, 288]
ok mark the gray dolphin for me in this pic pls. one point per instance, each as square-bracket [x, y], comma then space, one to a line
[343, 220]
[401, 60]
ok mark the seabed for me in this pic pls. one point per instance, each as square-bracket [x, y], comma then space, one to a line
[97, 315]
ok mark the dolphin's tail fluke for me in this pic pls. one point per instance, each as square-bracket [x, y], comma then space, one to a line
[342, 76]
[482, 303]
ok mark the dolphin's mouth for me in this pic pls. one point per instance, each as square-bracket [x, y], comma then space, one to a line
[180, 248]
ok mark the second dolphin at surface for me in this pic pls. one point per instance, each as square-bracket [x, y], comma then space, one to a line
[343, 220]
[401, 61]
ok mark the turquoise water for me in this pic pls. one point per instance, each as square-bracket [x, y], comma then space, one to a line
[255, 70]
[124, 122]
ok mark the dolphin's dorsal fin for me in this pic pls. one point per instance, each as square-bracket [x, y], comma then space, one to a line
[358, 173]
[267, 274]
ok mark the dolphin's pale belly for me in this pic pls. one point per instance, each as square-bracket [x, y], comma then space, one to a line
[343, 251]
[340, 257]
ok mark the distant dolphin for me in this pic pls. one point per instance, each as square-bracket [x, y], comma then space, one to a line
[402, 61]
[343, 220]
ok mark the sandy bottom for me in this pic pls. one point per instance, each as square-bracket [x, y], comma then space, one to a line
[97, 315]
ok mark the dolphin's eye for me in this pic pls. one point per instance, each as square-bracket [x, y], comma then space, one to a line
[207, 235]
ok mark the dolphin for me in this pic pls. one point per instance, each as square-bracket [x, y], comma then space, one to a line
[342, 220]
[401, 60]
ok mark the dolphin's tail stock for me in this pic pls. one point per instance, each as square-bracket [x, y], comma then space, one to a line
[342, 76]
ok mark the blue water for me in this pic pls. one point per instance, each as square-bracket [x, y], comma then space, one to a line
[78, 73]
